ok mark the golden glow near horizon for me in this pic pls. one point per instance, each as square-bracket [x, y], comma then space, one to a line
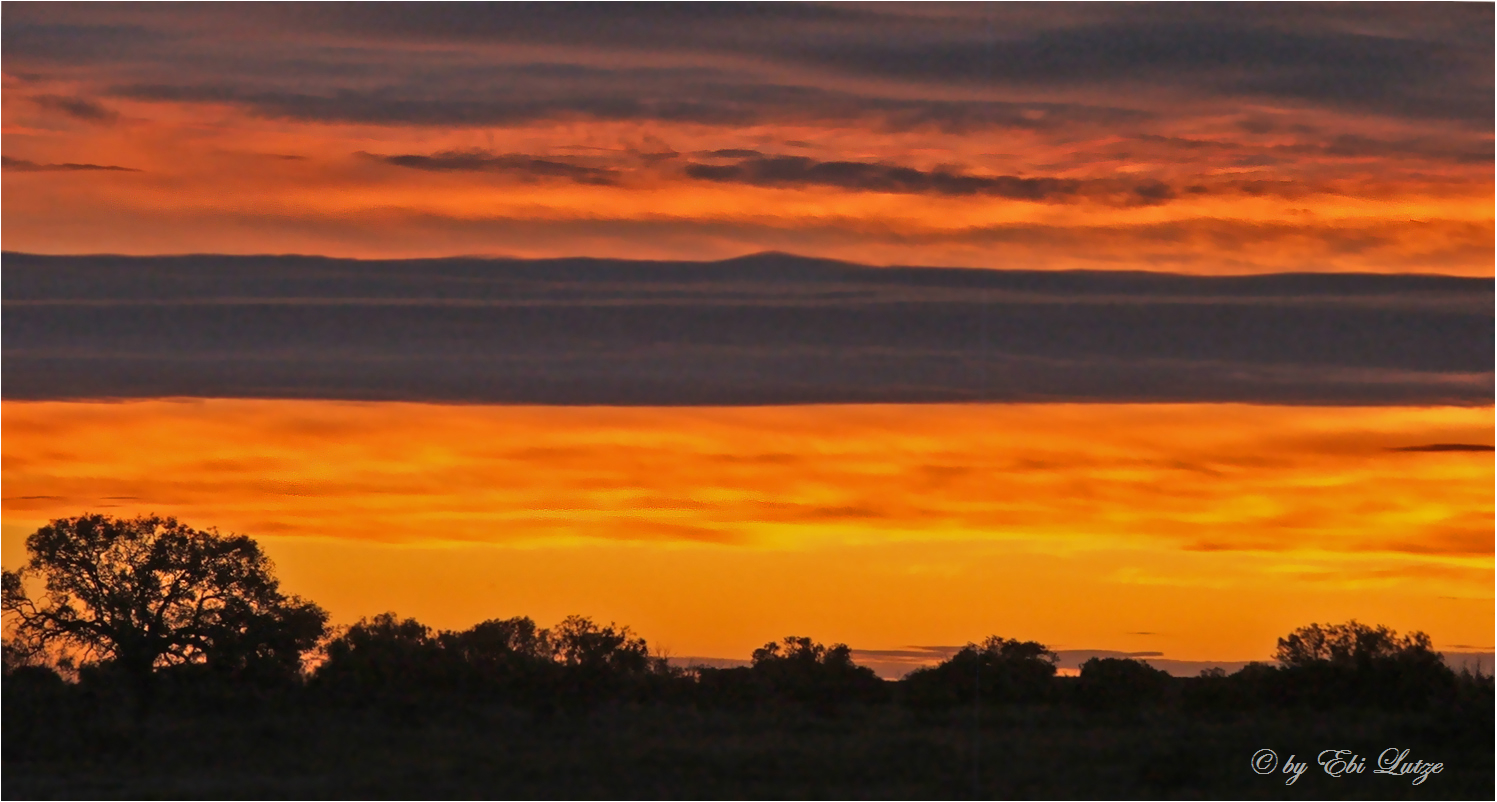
[1052, 137]
[1203, 531]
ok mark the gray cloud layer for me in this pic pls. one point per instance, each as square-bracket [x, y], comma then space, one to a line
[769, 329]
[339, 62]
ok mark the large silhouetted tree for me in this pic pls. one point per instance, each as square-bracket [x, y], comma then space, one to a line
[1350, 645]
[996, 670]
[1356, 663]
[581, 644]
[148, 592]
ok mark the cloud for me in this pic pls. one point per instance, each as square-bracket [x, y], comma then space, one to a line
[798, 171]
[770, 329]
[1455, 537]
[482, 161]
[28, 166]
[945, 112]
[1431, 65]
[1444, 447]
[51, 42]
[1393, 63]
[512, 94]
[77, 108]
[1388, 74]
[1459, 152]
[733, 153]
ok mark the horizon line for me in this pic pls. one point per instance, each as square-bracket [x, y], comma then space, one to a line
[764, 254]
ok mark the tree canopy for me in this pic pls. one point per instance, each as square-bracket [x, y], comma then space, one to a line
[148, 592]
[997, 670]
[802, 670]
[1350, 645]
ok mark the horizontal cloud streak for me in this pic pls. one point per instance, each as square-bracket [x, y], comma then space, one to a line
[770, 329]
[77, 107]
[480, 161]
[671, 96]
[28, 166]
[795, 171]
[1436, 448]
[799, 171]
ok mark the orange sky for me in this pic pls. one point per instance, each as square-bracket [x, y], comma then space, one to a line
[1188, 138]
[1215, 528]
[339, 132]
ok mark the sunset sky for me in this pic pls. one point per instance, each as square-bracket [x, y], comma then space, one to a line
[1190, 138]
[720, 453]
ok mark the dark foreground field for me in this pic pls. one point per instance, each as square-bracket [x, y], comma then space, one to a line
[177, 702]
[880, 751]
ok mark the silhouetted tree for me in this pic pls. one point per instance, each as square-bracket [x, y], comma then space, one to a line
[800, 670]
[500, 658]
[497, 641]
[1119, 683]
[581, 644]
[999, 670]
[383, 659]
[1355, 663]
[134, 595]
[1250, 687]
[1350, 645]
[402, 662]
[602, 663]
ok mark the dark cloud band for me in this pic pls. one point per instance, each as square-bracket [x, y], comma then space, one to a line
[1432, 62]
[757, 330]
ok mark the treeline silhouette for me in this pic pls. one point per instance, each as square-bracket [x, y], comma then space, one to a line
[150, 606]
[119, 621]
[387, 662]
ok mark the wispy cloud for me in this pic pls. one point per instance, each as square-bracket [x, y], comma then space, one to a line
[514, 164]
[78, 108]
[799, 171]
[1435, 448]
[28, 166]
